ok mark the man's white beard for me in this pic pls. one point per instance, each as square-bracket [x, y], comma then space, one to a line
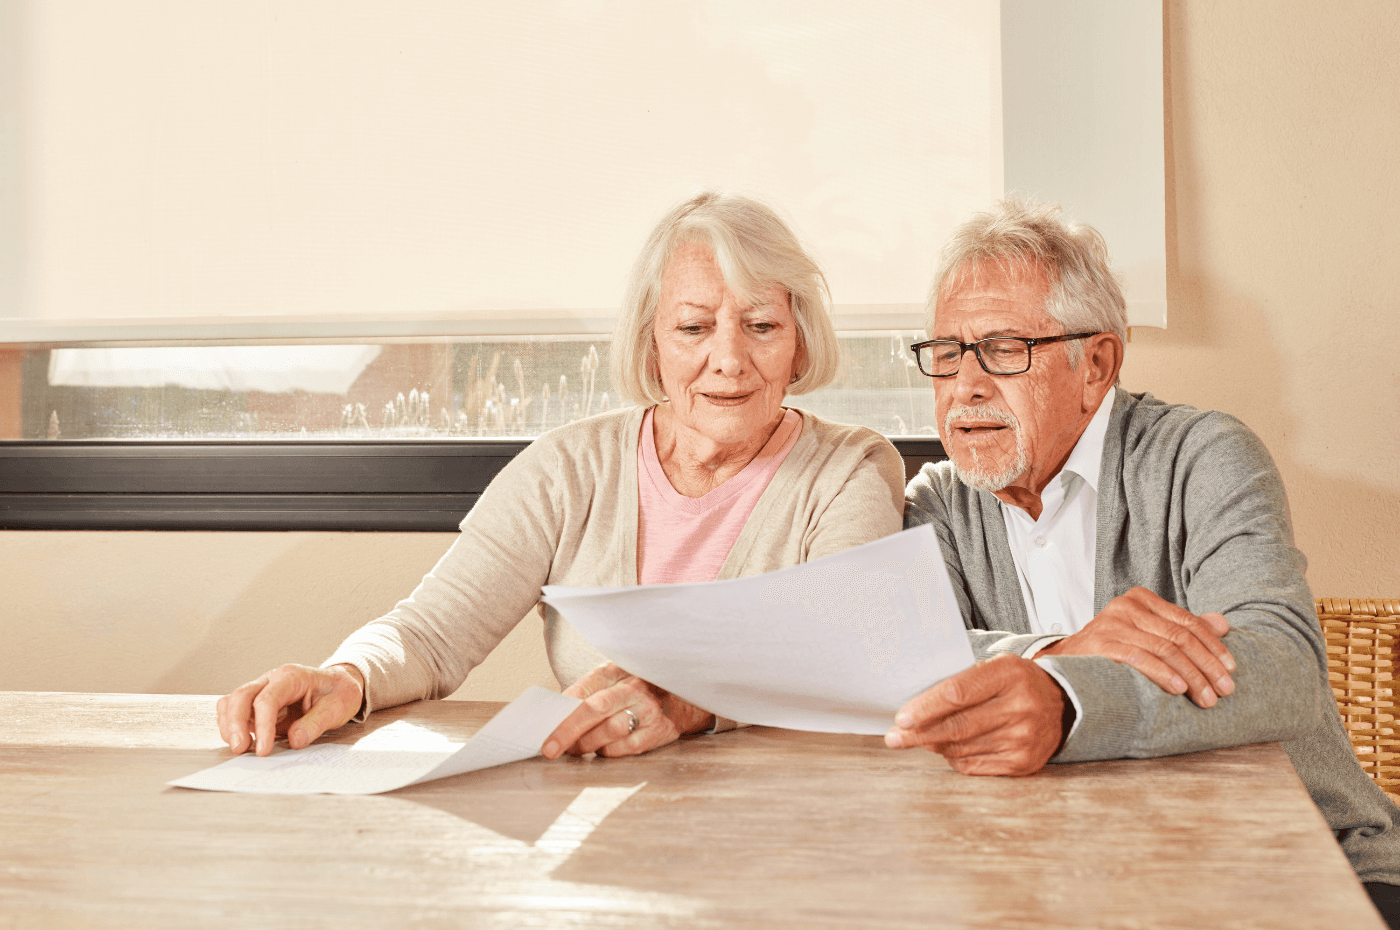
[977, 477]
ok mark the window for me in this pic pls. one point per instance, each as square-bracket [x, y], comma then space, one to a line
[388, 199]
[467, 388]
[401, 435]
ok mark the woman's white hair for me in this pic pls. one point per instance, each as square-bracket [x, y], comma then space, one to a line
[754, 249]
[1020, 235]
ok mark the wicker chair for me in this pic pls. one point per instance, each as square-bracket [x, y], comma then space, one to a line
[1361, 664]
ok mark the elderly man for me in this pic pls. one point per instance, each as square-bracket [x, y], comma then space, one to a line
[1102, 544]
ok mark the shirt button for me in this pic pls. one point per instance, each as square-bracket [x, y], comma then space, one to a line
[1057, 629]
[1040, 542]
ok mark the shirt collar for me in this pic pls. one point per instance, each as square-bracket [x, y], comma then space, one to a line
[1087, 457]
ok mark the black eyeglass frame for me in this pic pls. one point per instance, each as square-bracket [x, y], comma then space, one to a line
[976, 348]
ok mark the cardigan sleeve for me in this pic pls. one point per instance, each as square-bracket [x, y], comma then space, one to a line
[478, 591]
[930, 498]
[867, 505]
[1205, 526]
[1221, 543]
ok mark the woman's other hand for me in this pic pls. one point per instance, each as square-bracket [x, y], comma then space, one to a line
[612, 700]
[296, 700]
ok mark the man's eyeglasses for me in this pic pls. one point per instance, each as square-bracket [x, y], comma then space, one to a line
[998, 355]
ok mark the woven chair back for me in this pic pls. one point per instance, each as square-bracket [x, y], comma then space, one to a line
[1361, 664]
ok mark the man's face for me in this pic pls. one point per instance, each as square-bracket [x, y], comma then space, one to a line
[1007, 434]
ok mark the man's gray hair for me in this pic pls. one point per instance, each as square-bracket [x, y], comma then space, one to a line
[1020, 235]
[754, 249]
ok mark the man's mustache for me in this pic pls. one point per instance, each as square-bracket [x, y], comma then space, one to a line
[979, 412]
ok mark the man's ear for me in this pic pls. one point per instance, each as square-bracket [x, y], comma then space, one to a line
[1103, 358]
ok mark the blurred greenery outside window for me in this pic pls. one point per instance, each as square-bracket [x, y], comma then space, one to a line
[471, 387]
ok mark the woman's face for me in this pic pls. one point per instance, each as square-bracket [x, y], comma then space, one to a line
[724, 364]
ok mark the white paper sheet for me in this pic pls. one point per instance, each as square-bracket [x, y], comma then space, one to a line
[836, 645]
[393, 756]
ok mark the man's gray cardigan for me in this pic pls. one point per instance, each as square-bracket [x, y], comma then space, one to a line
[1191, 507]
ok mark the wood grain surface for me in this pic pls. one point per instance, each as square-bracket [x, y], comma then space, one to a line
[754, 828]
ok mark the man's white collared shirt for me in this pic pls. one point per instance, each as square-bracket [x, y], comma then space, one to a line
[1054, 555]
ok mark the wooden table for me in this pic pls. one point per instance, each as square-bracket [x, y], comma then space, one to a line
[755, 828]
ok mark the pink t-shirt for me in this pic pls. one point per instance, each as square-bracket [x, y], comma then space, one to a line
[683, 538]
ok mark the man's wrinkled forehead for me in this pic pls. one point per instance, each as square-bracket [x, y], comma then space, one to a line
[983, 273]
[1009, 298]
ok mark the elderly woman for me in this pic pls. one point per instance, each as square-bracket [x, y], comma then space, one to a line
[711, 477]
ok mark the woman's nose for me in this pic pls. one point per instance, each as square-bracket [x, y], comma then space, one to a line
[730, 350]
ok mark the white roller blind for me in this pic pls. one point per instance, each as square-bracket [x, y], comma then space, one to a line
[273, 369]
[342, 169]
[1082, 124]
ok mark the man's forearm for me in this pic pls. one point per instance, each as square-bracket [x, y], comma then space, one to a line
[1127, 716]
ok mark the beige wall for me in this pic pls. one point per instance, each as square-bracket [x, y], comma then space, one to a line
[202, 613]
[1282, 177]
[1283, 183]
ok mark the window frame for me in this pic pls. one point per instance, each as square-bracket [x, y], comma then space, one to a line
[400, 486]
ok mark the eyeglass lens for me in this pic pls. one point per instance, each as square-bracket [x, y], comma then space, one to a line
[999, 356]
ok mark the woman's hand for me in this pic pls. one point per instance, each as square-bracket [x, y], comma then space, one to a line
[297, 700]
[612, 700]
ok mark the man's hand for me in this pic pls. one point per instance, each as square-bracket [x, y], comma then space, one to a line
[1179, 651]
[612, 700]
[297, 700]
[1000, 717]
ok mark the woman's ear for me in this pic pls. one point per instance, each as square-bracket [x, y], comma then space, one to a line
[653, 367]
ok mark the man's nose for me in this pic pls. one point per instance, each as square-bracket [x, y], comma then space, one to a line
[972, 384]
